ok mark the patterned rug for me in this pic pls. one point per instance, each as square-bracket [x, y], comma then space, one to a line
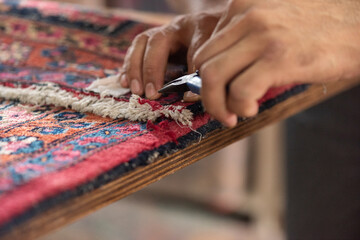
[59, 138]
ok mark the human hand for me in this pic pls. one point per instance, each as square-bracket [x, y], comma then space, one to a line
[263, 44]
[146, 60]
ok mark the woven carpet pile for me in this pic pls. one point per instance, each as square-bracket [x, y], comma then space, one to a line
[60, 138]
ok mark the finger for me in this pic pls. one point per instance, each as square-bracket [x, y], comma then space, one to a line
[155, 60]
[251, 85]
[229, 63]
[195, 44]
[223, 40]
[133, 64]
[246, 89]
[221, 70]
[202, 33]
[123, 80]
[213, 94]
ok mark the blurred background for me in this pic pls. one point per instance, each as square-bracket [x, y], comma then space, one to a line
[234, 194]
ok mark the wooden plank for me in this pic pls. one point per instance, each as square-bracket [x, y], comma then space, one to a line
[76, 208]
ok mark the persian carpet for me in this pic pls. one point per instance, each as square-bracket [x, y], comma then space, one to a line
[58, 138]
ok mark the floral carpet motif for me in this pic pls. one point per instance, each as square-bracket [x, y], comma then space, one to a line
[49, 154]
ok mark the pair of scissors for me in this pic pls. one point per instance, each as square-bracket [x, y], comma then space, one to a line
[190, 82]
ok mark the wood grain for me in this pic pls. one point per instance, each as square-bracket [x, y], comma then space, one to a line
[76, 208]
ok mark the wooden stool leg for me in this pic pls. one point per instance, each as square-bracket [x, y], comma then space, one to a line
[266, 199]
[230, 179]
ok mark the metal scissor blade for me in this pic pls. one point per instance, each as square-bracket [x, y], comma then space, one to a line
[174, 88]
[177, 85]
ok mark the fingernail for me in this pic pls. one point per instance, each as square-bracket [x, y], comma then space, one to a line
[190, 94]
[135, 86]
[123, 81]
[191, 97]
[150, 90]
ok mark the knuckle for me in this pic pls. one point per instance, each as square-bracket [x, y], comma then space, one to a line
[157, 36]
[140, 38]
[305, 59]
[275, 48]
[179, 20]
[162, 36]
[150, 32]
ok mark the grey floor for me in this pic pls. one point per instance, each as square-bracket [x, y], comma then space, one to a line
[140, 217]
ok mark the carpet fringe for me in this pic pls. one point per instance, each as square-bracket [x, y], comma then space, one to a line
[134, 110]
